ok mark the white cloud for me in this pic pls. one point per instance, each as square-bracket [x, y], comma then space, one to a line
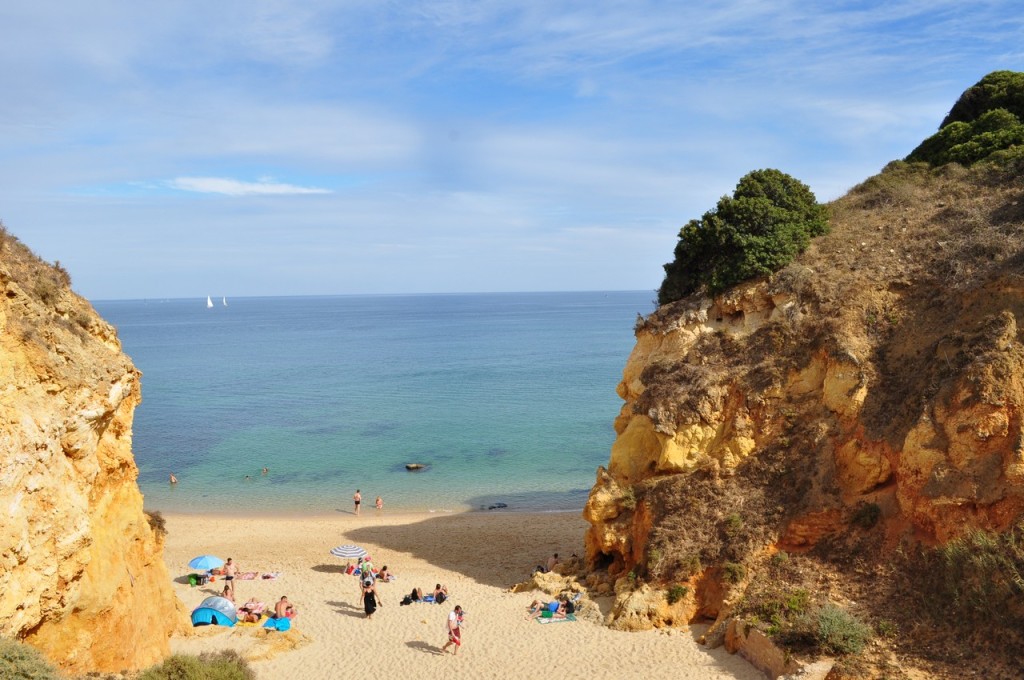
[234, 187]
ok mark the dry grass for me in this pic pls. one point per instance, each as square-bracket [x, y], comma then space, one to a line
[918, 282]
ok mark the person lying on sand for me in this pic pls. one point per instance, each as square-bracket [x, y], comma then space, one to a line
[252, 605]
[556, 609]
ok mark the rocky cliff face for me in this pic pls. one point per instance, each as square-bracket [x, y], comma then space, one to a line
[81, 569]
[877, 381]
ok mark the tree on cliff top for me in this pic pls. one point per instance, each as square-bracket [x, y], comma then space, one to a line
[986, 123]
[770, 218]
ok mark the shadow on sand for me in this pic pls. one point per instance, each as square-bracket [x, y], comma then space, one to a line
[480, 550]
[425, 647]
[330, 568]
[347, 609]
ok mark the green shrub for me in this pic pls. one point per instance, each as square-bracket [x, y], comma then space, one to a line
[19, 661]
[840, 632]
[986, 121]
[676, 593]
[690, 565]
[828, 630]
[733, 525]
[769, 219]
[223, 665]
[734, 572]
[976, 575]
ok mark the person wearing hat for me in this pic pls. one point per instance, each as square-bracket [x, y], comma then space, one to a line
[371, 599]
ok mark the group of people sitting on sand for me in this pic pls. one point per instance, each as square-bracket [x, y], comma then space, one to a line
[439, 595]
[253, 610]
[556, 609]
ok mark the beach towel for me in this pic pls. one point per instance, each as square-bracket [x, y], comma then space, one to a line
[279, 624]
[248, 575]
[569, 617]
[271, 575]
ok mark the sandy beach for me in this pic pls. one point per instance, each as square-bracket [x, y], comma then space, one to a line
[477, 555]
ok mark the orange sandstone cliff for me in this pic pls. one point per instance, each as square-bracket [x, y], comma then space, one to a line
[868, 397]
[81, 570]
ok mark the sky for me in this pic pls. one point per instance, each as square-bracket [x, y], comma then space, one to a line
[263, 147]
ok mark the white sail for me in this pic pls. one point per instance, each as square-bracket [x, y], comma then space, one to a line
[209, 302]
[224, 301]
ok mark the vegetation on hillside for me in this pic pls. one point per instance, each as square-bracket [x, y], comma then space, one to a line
[223, 665]
[18, 660]
[918, 273]
[986, 124]
[769, 219]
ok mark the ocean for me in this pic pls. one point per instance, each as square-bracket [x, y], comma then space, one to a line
[507, 400]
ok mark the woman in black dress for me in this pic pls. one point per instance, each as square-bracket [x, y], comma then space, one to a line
[370, 597]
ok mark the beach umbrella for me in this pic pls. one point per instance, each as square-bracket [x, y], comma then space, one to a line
[206, 562]
[348, 551]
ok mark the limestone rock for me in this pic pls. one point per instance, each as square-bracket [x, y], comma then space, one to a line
[924, 422]
[81, 570]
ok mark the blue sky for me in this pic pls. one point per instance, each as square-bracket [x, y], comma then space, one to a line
[261, 147]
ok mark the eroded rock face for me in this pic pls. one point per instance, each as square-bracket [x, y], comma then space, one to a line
[933, 443]
[81, 570]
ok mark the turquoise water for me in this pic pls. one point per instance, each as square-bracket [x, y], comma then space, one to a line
[506, 398]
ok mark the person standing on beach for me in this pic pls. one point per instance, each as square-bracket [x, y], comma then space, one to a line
[230, 569]
[357, 498]
[370, 597]
[454, 631]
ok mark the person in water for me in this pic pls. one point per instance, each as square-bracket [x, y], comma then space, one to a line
[174, 480]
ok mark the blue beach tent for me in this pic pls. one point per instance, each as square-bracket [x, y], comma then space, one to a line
[216, 611]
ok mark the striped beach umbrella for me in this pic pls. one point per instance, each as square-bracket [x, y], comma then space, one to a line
[348, 551]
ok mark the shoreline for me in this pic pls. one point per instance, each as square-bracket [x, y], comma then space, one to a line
[398, 515]
[477, 555]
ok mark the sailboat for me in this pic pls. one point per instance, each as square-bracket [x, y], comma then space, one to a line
[224, 301]
[209, 302]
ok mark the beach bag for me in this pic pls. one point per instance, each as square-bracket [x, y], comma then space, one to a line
[406, 600]
[350, 570]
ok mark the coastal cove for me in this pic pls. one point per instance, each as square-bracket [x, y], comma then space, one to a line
[476, 555]
[503, 398]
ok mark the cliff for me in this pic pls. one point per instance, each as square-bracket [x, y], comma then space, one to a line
[81, 569]
[864, 399]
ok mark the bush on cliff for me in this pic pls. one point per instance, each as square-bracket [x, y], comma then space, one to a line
[223, 665]
[21, 662]
[986, 123]
[770, 219]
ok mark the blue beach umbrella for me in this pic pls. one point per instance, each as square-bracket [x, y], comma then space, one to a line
[206, 562]
[348, 551]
